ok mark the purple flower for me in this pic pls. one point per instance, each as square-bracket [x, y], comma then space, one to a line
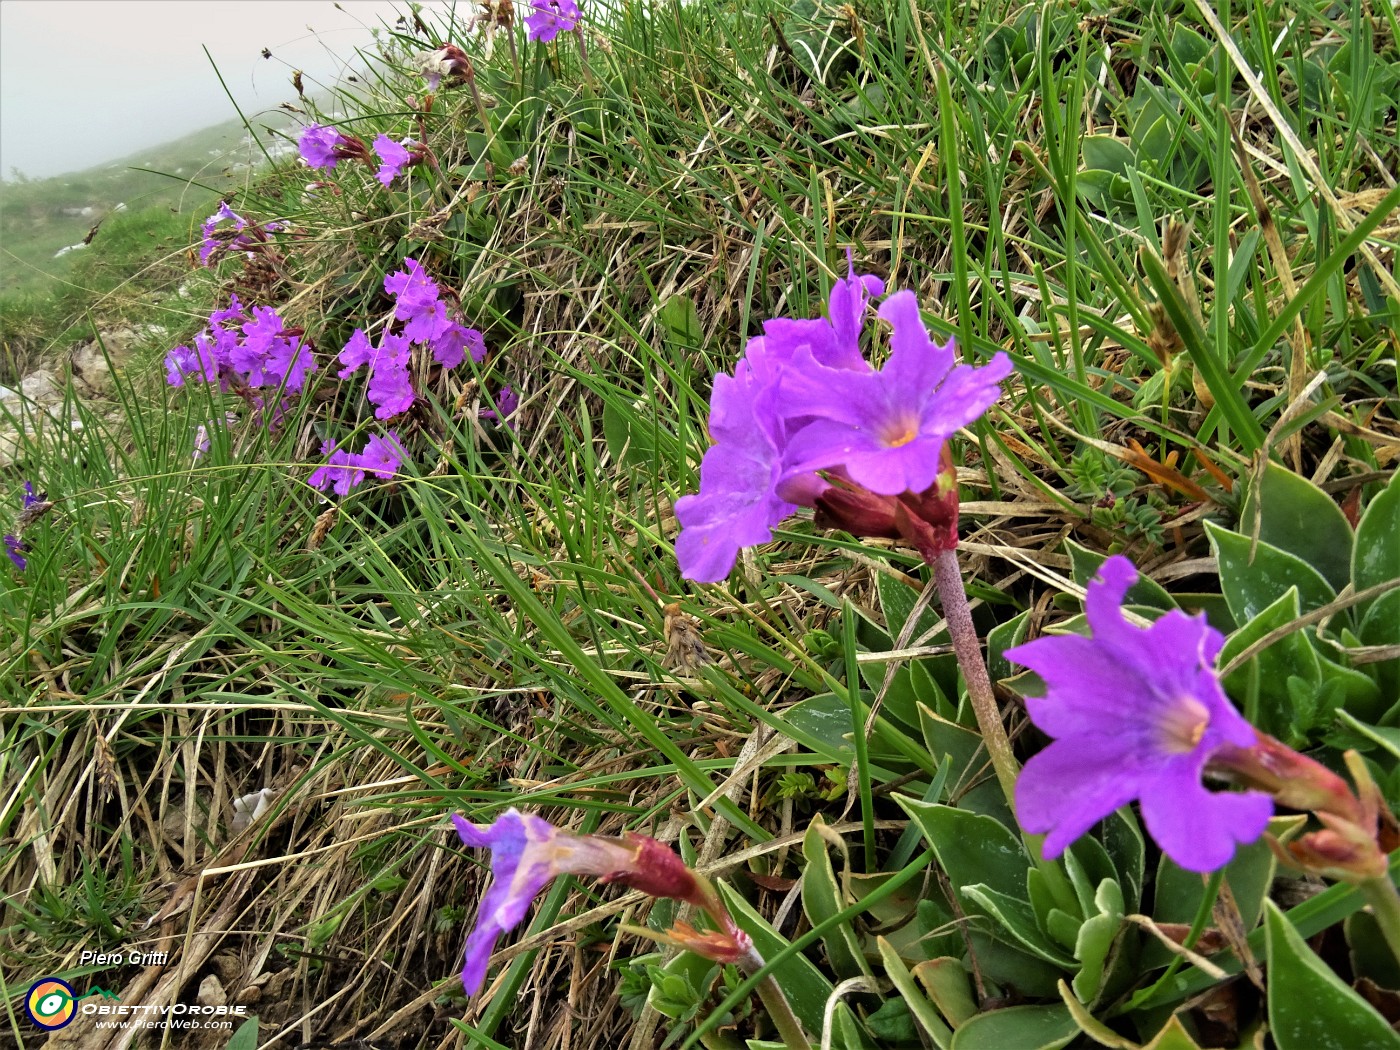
[507, 401]
[269, 354]
[427, 323]
[526, 852]
[382, 456]
[357, 351]
[452, 346]
[30, 499]
[1135, 714]
[14, 549]
[738, 503]
[551, 18]
[393, 158]
[341, 473]
[413, 290]
[317, 145]
[390, 384]
[747, 480]
[887, 428]
[207, 361]
[212, 243]
[834, 341]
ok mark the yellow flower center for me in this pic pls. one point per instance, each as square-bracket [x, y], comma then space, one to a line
[901, 432]
[1184, 725]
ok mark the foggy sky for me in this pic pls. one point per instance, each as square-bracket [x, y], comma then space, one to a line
[83, 82]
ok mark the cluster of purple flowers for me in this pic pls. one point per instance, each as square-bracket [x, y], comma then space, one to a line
[551, 18]
[323, 147]
[15, 548]
[243, 348]
[241, 236]
[805, 420]
[418, 305]
[381, 458]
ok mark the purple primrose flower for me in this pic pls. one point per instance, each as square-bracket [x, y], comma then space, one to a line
[15, 550]
[507, 401]
[551, 18]
[738, 503]
[804, 400]
[1135, 714]
[341, 473]
[527, 852]
[383, 456]
[393, 158]
[887, 428]
[317, 145]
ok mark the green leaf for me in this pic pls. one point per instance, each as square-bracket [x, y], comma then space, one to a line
[1095, 941]
[1011, 968]
[967, 766]
[630, 433]
[972, 848]
[1251, 585]
[923, 1011]
[1386, 736]
[1370, 955]
[893, 1022]
[1376, 556]
[1122, 840]
[1310, 1007]
[1022, 1027]
[1295, 515]
[1256, 682]
[1106, 153]
[1381, 626]
[806, 987]
[947, 984]
[1016, 918]
[1179, 892]
[822, 898]
[681, 322]
[245, 1037]
[1004, 636]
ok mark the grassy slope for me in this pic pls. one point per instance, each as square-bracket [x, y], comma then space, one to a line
[487, 630]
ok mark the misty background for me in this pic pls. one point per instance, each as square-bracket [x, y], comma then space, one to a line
[87, 81]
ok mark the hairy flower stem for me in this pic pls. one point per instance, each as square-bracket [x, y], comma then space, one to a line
[1381, 895]
[789, 1028]
[968, 648]
[947, 577]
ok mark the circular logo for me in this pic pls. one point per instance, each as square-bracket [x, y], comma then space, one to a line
[51, 1003]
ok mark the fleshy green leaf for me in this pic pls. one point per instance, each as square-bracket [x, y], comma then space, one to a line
[821, 899]
[924, 1011]
[947, 984]
[972, 848]
[1251, 585]
[1376, 556]
[1017, 919]
[1022, 1027]
[1310, 1008]
[806, 987]
[1296, 516]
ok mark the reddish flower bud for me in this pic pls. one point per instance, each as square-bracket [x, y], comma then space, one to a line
[1294, 780]
[657, 871]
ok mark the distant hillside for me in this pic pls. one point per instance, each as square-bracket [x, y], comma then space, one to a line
[39, 218]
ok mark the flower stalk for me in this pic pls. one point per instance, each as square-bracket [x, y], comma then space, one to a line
[968, 648]
[779, 1009]
[1381, 895]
